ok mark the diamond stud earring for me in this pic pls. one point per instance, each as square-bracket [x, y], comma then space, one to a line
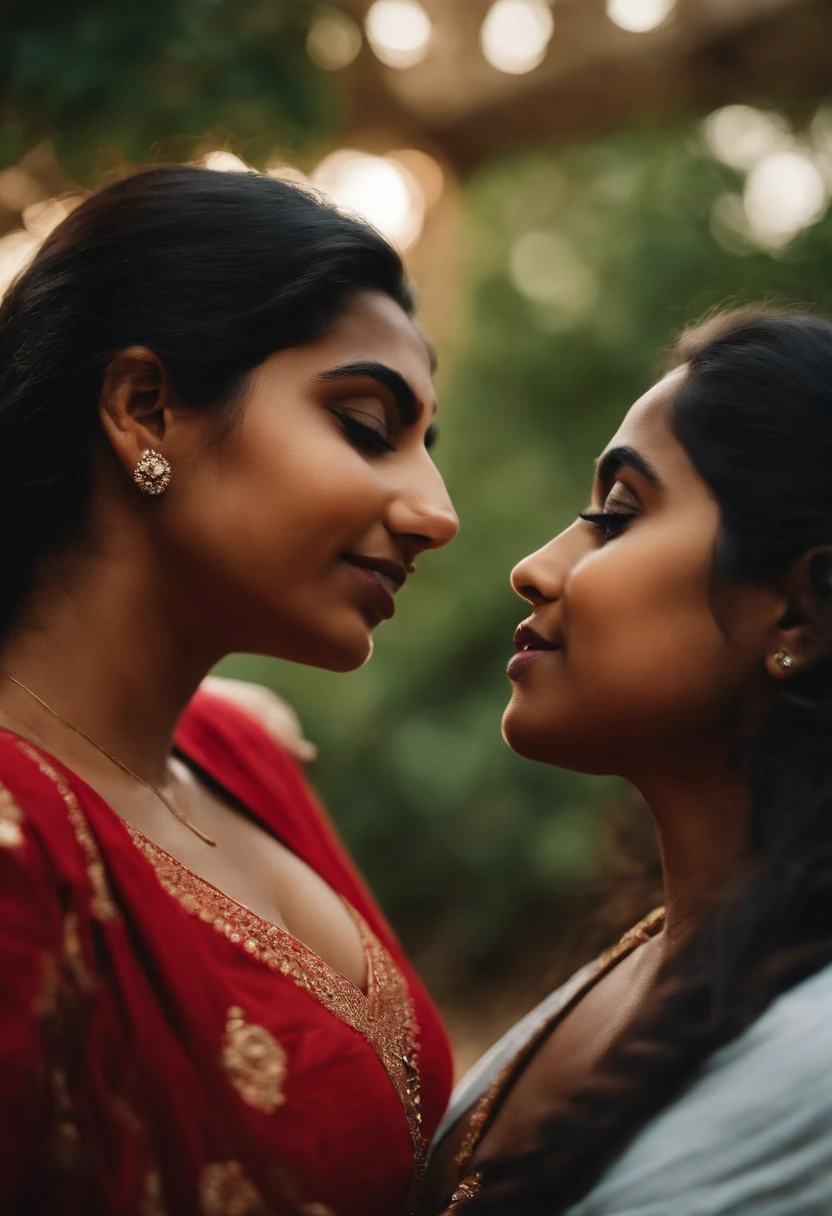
[784, 659]
[152, 473]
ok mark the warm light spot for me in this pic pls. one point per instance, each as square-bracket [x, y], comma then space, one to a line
[333, 41]
[17, 188]
[424, 168]
[378, 188]
[516, 34]
[639, 16]
[226, 162]
[399, 31]
[784, 193]
[39, 219]
[729, 225]
[739, 136]
[16, 248]
[545, 268]
[287, 173]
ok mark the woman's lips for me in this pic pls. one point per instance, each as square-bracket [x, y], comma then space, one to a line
[378, 584]
[531, 648]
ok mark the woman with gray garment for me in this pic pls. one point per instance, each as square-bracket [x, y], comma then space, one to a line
[681, 637]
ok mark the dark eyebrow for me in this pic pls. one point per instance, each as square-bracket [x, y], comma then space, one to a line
[626, 457]
[406, 400]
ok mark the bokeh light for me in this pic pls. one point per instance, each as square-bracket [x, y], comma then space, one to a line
[18, 188]
[226, 162]
[16, 248]
[283, 172]
[425, 169]
[399, 31]
[784, 193]
[380, 189]
[740, 136]
[639, 16]
[545, 268]
[516, 34]
[333, 41]
[40, 218]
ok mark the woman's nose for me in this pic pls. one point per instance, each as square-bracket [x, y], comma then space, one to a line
[539, 578]
[426, 516]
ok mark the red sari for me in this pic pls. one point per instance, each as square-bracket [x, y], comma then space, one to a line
[166, 1052]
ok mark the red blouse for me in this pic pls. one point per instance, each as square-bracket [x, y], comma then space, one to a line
[163, 1050]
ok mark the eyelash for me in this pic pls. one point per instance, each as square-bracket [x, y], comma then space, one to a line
[371, 440]
[609, 523]
[365, 437]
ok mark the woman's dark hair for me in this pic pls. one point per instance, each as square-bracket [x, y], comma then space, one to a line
[754, 413]
[212, 271]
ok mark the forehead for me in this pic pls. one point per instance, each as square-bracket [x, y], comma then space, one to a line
[646, 428]
[374, 328]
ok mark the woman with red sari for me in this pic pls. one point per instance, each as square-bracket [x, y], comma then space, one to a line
[215, 412]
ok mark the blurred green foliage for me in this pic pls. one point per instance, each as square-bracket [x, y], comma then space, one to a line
[578, 270]
[102, 75]
[468, 845]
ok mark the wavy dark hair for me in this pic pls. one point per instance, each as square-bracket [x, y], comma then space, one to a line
[754, 412]
[212, 271]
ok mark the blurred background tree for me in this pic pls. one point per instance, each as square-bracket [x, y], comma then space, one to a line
[97, 76]
[564, 215]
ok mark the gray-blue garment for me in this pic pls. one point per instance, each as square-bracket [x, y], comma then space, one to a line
[751, 1137]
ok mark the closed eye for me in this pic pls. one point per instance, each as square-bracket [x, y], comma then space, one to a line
[365, 438]
[609, 523]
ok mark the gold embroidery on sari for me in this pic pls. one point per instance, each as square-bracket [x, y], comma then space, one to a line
[65, 1138]
[385, 1017]
[73, 956]
[466, 1190]
[226, 1191]
[152, 1203]
[11, 817]
[254, 1061]
[101, 904]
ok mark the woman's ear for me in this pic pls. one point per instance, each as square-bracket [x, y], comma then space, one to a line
[135, 404]
[804, 631]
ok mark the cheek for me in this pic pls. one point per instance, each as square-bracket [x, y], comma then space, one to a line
[641, 631]
[290, 503]
[645, 660]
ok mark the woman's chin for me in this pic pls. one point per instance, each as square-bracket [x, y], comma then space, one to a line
[330, 651]
[525, 737]
[349, 654]
[549, 742]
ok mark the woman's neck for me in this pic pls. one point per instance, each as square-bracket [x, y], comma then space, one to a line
[99, 647]
[702, 815]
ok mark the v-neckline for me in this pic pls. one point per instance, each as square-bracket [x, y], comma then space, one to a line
[384, 1015]
[147, 845]
[149, 848]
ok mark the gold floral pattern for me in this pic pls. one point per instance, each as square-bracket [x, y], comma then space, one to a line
[255, 1062]
[11, 818]
[385, 1016]
[101, 904]
[226, 1191]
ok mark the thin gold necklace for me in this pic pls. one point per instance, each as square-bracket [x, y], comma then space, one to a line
[118, 763]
